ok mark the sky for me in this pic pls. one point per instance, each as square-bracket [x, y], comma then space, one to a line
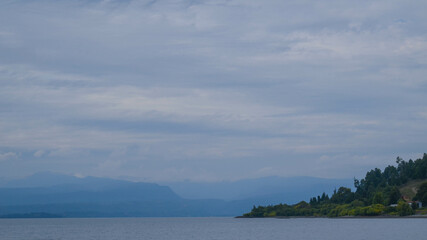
[206, 90]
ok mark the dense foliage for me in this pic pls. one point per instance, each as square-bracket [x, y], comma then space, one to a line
[376, 194]
[422, 194]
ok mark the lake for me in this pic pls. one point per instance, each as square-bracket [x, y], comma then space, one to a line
[211, 228]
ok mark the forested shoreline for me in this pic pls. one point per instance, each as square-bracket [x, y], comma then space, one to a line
[377, 194]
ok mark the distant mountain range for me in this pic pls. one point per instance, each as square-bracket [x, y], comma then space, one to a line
[268, 190]
[69, 196]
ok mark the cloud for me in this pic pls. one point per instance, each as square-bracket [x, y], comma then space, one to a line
[39, 153]
[8, 155]
[142, 88]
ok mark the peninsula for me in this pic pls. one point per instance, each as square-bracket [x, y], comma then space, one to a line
[397, 191]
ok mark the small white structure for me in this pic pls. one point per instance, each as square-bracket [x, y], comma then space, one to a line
[418, 203]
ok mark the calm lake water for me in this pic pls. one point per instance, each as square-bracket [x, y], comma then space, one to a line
[212, 228]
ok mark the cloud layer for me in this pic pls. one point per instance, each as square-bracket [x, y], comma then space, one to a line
[211, 90]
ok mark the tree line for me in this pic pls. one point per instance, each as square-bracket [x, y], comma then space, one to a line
[376, 194]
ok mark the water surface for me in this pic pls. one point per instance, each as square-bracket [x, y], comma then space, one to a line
[212, 228]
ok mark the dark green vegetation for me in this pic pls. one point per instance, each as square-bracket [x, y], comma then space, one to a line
[422, 194]
[377, 194]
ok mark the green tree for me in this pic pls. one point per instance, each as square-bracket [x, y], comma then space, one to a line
[403, 209]
[343, 195]
[378, 198]
[422, 194]
[391, 195]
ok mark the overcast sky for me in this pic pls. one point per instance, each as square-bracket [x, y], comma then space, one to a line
[211, 90]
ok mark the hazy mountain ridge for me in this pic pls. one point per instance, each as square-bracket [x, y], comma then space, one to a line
[49, 179]
[102, 197]
[52, 188]
[283, 189]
